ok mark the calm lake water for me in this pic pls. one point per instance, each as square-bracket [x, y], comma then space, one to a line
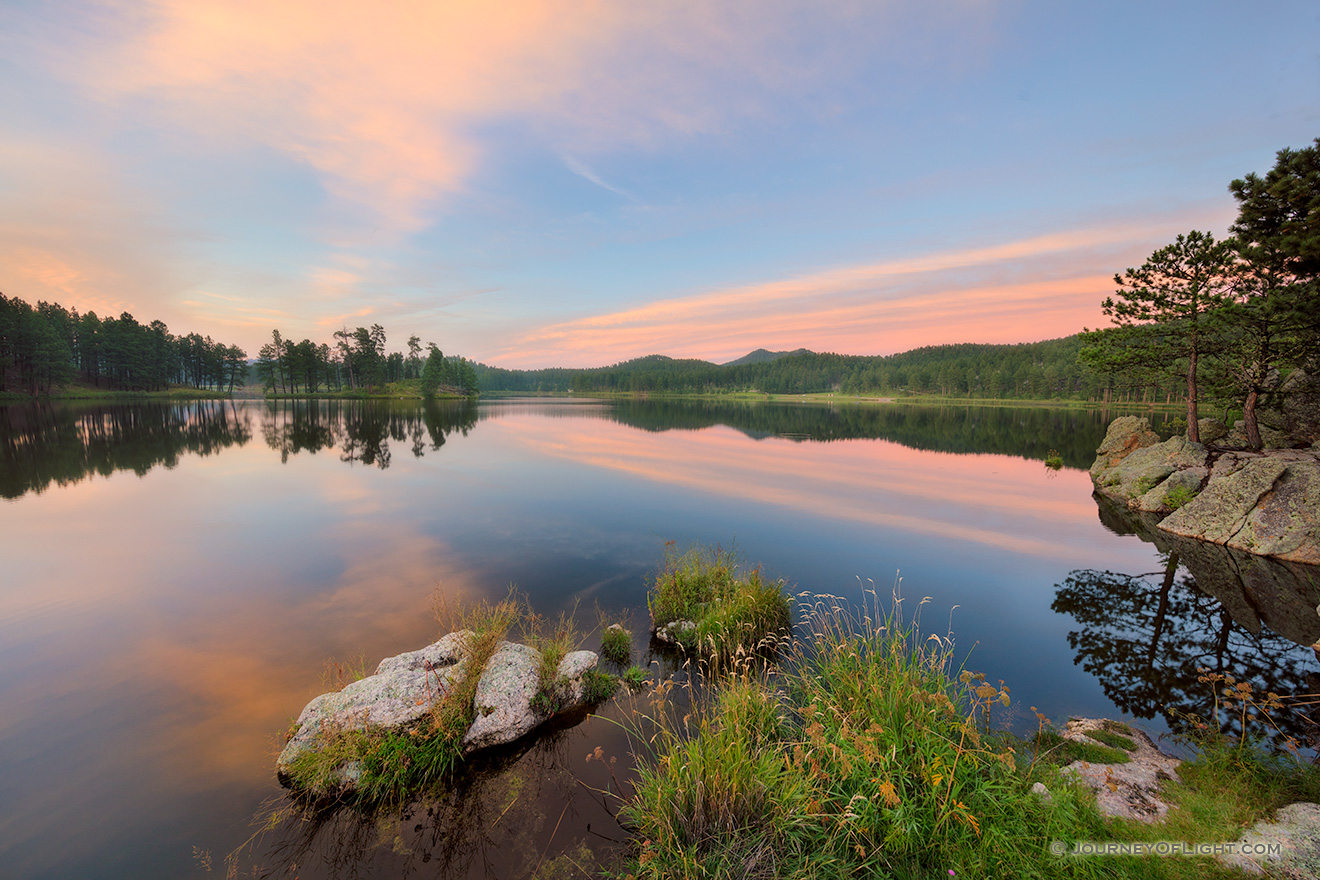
[175, 577]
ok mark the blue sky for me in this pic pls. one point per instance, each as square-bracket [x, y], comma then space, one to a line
[534, 184]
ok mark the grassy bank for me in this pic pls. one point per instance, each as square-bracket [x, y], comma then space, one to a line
[409, 389]
[82, 392]
[871, 754]
[861, 399]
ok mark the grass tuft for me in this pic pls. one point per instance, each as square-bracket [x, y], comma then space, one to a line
[616, 644]
[635, 677]
[717, 610]
[599, 686]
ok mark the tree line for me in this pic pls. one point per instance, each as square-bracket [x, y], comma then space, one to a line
[358, 361]
[1231, 319]
[1032, 370]
[48, 346]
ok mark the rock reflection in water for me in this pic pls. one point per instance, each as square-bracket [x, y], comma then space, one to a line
[1144, 636]
[536, 808]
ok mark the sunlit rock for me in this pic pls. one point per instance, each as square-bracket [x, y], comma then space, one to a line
[405, 690]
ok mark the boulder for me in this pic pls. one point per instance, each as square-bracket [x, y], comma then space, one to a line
[1268, 505]
[505, 690]
[404, 690]
[1180, 487]
[1301, 406]
[1270, 438]
[1125, 435]
[400, 693]
[1144, 468]
[1211, 430]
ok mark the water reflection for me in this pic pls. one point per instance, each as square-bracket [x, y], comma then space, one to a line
[539, 808]
[41, 444]
[1025, 432]
[1145, 636]
[157, 634]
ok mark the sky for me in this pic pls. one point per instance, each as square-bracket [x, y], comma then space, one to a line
[535, 184]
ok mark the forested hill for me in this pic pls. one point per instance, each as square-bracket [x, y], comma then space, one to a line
[761, 356]
[1027, 370]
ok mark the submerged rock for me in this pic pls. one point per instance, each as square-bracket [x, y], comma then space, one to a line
[405, 689]
[675, 632]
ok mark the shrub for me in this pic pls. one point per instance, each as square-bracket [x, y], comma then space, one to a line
[1178, 496]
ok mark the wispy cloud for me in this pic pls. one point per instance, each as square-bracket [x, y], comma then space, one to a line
[581, 170]
[387, 103]
[1036, 287]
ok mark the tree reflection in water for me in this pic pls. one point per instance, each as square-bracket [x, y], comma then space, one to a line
[363, 429]
[1145, 636]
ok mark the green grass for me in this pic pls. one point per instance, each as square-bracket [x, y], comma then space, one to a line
[599, 686]
[869, 754]
[616, 644]
[1114, 740]
[88, 392]
[635, 678]
[1054, 460]
[732, 612]
[553, 642]
[1051, 747]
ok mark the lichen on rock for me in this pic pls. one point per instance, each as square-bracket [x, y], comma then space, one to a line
[1265, 502]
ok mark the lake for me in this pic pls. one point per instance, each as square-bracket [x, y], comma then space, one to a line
[175, 578]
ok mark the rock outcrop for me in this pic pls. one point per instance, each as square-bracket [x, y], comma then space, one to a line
[1269, 505]
[1266, 503]
[1287, 846]
[404, 690]
[1130, 790]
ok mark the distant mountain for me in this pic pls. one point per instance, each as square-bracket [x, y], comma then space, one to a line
[761, 356]
[657, 362]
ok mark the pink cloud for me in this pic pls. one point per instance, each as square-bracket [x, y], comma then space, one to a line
[1034, 288]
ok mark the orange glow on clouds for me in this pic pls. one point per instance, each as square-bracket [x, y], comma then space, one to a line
[972, 295]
